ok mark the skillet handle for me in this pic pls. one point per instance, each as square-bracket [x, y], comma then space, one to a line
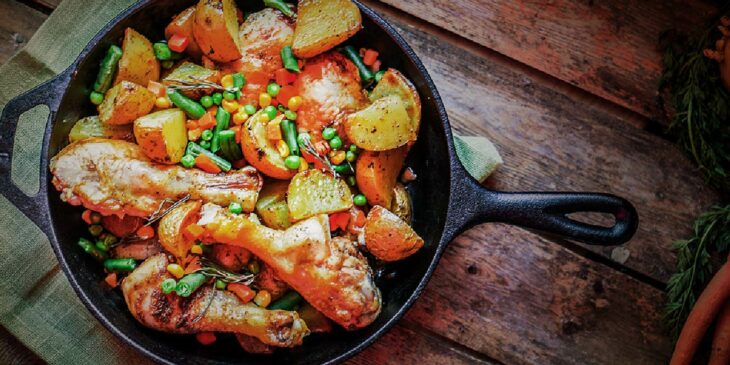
[547, 212]
[47, 93]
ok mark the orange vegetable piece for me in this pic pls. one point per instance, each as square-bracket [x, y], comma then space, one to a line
[207, 121]
[205, 338]
[376, 66]
[283, 76]
[286, 93]
[178, 43]
[146, 232]
[237, 130]
[370, 57]
[194, 265]
[191, 124]
[207, 63]
[273, 131]
[339, 221]
[193, 232]
[242, 291]
[204, 163]
[111, 280]
[86, 216]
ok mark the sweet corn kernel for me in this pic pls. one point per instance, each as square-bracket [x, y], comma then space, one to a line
[303, 164]
[230, 106]
[294, 103]
[176, 270]
[196, 250]
[264, 100]
[240, 117]
[338, 157]
[283, 148]
[262, 298]
[264, 118]
[227, 81]
[162, 102]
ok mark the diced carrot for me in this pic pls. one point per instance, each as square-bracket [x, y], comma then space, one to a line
[156, 88]
[360, 218]
[376, 66]
[207, 121]
[178, 43]
[193, 231]
[339, 221]
[370, 57]
[205, 338]
[194, 134]
[111, 280]
[146, 232]
[285, 94]
[194, 265]
[204, 163]
[191, 124]
[273, 130]
[237, 131]
[257, 78]
[86, 216]
[284, 76]
[207, 63]
[300, 63]
[242, 291]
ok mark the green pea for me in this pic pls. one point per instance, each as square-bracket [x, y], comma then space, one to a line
[167, 64]
[288, 114]
[379, 75]
[206, 101]
[249, 109]
[351, 180]
[350, 156]
[205, 144]
[336, 142]
[101, 245]
[162, 51]
[95, 229]
[303, 139]
[354, 149]
[96, 98]
[273, 89]
[207, 135]
[220, 284]
[360, 200]
[229, 95]
[329, 133]
[217, 98]
[168, 285]
[292, 162]
[235, 208]
[270, 111]
[188, 161]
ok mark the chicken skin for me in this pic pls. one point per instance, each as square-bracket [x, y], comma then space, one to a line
[115, 177]
[207, 309]
[330, 273]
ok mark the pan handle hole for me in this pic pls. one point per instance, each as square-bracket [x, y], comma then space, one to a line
[594, 218]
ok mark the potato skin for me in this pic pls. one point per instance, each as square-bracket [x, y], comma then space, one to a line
[162, 135]
[170, 230]
[188, 71]
[388, 237]
[216, 30]
[138, 63]
[401, 204]
[182, 24]
[124, 103]
[383, 125]
[259, 152]
[376, 174]
[323, 24]
[395, 83]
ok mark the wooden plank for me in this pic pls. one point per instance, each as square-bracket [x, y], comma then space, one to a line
[608, 48]
[521, 299]
[13, 351]
[17, 24]
[555, 141]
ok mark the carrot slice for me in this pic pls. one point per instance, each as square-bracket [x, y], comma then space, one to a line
[207, 121]
[193, 232]
[286, 92]
[242, 291]
[204, 163]
[111, 280]
[178, 43]
[370, 57]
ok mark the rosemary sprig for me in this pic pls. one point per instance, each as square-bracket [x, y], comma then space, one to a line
[194, 83]
[305, 142]
[212, 270]
[161, 211]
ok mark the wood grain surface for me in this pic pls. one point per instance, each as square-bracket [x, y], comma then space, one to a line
[608, 48]
[18, 22]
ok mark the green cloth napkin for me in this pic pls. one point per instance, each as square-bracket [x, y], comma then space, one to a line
[37, 304]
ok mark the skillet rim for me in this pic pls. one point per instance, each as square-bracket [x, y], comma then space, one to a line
[455, 171]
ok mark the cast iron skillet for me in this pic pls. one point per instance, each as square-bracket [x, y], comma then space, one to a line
[446, 200]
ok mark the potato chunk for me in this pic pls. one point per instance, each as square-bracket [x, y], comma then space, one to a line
[162, 135]
[377, 172]
[216, 29]
[124, 103]
[271, 206]
[323, 24]
[383, 125]
[388, 237]
[93, 127]
[190, 72]
[394, 83]
[170, 230]
[138, 63]
[313, 192]
[182, 24]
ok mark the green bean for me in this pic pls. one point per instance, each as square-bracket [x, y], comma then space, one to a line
[195, 150]
[191, 107]
[289, 129]
[120, 265]
[281, 6]
[239, 81]
[287, 301]
[343, 168]
[217, 98]
[230, 149]
[222, 119]
[189, 284]
[91, 249]
[288, 59]
[168, 285]
[107, 69]
[379, 75]
[365, 73]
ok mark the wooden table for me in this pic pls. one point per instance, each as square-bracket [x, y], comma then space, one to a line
[567, 91]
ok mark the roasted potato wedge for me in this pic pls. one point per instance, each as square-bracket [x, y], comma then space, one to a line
[271, 206]
[170, 230]
[394, 83]
[182, 24]
[216, 30]
[93, 127]
[260, 152]
[262, 36]
[188, 71]
[162, 135]
[313, 192]
[388, 237]
[383, 125]
[323, 24]
[376, 174]
[138, 63]
[124, 103]
[401, 204]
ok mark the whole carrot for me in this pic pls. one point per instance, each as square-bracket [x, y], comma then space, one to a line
[721, 341]
[703, 313]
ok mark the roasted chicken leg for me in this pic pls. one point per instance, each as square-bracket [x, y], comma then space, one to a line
[115, 177]
[330, 274]
[205, 310]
